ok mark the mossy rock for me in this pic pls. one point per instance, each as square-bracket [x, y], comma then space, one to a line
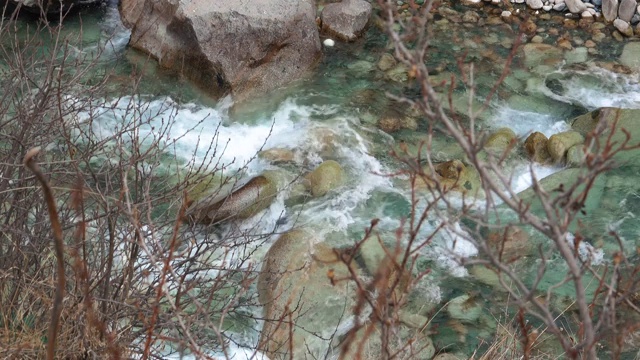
[452, 176]
[558, 144]
[246, 201]
[500, 141]
[326, 177]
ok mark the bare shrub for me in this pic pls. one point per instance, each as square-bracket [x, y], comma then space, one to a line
[139, 282]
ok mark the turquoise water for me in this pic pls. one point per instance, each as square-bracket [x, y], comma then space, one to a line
[333, 115]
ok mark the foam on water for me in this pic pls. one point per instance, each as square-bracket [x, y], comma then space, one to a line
[595, 87]
[524, 122]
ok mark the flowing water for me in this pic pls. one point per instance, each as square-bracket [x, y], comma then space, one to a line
[333, 115]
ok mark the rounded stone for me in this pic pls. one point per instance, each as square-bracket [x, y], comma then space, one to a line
[326, 177]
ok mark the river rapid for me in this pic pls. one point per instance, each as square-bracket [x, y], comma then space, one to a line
[334, 115]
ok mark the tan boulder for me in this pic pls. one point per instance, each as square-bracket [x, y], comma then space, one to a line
[509, 243]
[295, 284]
[452, 176]
[277, 155]
[558, 144]
[326, 177]
[501, 140]
[536, 148]
[242, 203]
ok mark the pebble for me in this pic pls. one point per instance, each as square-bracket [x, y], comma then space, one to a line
[506, 14]
[328, 42]
[590, 44]
[537, 39]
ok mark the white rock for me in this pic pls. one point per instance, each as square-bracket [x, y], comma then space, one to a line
[593, 12]
[623, 26]
[575, 6]
[586, 14]
[520, 1]
[495, 2]
[505, 14]
[328, 42]
[547, 8]
[535, 4]
[559, 7]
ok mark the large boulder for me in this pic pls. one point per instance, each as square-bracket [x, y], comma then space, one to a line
[626, 121]
[346, 20]
[227, 46]
[536, 148]
[294, 284]
[631, 55]
[558, 144]
[326, 177]
[254, 196]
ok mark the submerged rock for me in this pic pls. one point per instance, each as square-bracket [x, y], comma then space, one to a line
[509, 243]
[465, 308]
[277, 155]
[393, 120]
[227, 46]
[346, 20]
[326, 177]
[631, 55]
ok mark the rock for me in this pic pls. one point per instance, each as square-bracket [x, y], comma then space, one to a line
[386, 62]
[578, 55]
[500, 141]
[294, 281]
[631, 55]
[346, 20]
[452, 176]
[535, 54]
[328, 42]
[535, 4]
[227, 46]
[510, 243]
[471, 17]
[624, 27]
[464, 308]
[575, 155]
[398, 73]
[254, 196]
[626, 119]
[50, 7]
[420, 344]
[558, 144]
[393, 120]
[575, 6]
[610, 10]
[326, 177]
[627, 9]
[449, 356]
[536, 148]
[277, 155]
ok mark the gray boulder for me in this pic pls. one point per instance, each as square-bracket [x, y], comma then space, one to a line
[346, 20]
[610, 9]
[576, 6]
[631, 55]
[627, 9]
[236, 47]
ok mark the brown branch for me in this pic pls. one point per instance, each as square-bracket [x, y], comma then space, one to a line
[58, 246]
